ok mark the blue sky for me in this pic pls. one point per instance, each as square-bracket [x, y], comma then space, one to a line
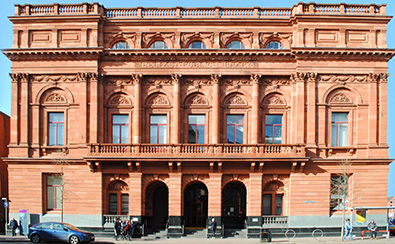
[7, 9]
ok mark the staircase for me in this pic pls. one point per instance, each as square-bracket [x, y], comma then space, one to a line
[196, 233]
[236, 233]
[162, 234]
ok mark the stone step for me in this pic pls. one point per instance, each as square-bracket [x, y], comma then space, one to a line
[195, 233]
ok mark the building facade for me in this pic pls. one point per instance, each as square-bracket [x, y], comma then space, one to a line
[174, 116]
[4, 140]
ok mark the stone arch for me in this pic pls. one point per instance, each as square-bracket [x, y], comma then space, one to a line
[45, 91]
[274, 186]
[275, 92]
[196, 99]
[118, 99]
[274, 98]
[155, 202]
[234, 204]
[159, 38]
[117, 185]
[353, 94]
[236, 99]
[157, 99]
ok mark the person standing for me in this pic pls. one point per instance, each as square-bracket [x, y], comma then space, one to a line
[13, 225]
[347, 230]
[117, 228]
[372, 227]
[213, 226]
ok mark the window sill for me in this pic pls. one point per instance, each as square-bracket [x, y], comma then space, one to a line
[350, 151]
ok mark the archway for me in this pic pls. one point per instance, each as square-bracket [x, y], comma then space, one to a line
[157, 205]
[118, 198]
[234, 205]
[195, 205]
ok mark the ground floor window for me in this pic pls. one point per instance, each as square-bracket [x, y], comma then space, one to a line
[54, 191]
[118, 198]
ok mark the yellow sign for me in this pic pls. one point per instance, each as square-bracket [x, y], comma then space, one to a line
[361, 216]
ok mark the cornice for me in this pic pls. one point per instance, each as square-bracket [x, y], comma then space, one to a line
[20, 54]
[342, 53]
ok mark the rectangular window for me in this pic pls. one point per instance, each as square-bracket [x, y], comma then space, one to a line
[120, 128]
[339, 192]
[196, 125]
[339, 129]
[113, 203]
[234, 129]
[54, 192]
[55, 129]
[273, 129]
[158, 129]
[125, 204]
[267, 204]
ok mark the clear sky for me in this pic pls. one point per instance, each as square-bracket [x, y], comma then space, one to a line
[7, 9]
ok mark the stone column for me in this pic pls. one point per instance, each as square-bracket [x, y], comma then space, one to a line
[135, 194]
[373, 122]
[83, 112]
[254, 206]
[216, 115]
[14, 109]
[255, 118]
[175, 131]
[215, 197]
[175, 217]
[298, 115]
[93, 108]
[383, 109]
[137, 119]
[311, 110]
[24, 114]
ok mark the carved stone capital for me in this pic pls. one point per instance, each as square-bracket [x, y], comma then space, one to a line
[82, 76]
[14, 77]
[384, 77]
[298, 77]
[373, 77]
[216, 78]
[255, 78]
[176, 78]
[137, 78]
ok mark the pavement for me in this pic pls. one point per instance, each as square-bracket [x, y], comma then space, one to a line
[327, 240]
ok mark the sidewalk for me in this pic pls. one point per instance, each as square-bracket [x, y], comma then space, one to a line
[326, 240]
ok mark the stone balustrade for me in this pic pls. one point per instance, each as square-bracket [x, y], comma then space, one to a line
[214, 12]
[197, 150]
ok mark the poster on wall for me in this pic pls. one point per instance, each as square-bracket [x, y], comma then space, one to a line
[361, 216]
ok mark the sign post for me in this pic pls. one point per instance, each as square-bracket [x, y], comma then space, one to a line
[6, 214]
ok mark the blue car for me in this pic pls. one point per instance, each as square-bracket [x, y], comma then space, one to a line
[58, 232]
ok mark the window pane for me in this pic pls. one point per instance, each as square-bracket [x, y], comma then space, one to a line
[125, 134]
[239, 134]
[274, 45]
[339, 117]
[158, 45]
[230, 134]
[125, 203]
[191, 134]
[269, 134]
[56, 117]
[196, 119]
[50, 197]
[267, 204]
[200, 134]
[273, 119]
[116, 130]
[58, 197]
[235, 45]
[343, 135]
[197, 45]
[54, 180]
[234, 119]
[279, 205]
[113, 204]
[120, 119]
[120, 45]
[52, 135]
[60, 140]
[335, 135]
[158, 119]
[277, 134]
[162, 134]
[153, 134]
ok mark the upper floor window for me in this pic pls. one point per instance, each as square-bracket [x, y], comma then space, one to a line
[54, 191]
[234, 129]
[274, 45]
[197, 45]
[56, 129]
[196, 124]
[120, 128]
[273, 129]
[339, 129]
[158, 45]
[235, 45]
[158, 129]
[121, 45]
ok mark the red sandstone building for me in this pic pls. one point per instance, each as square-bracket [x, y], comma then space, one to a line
[178, 115]
[4, 140]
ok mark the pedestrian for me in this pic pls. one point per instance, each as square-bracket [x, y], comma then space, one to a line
[13, 225]
[347, 230]
[133, 226]
[372, 227]
[213, 226]
[117, 228]
[127, 231]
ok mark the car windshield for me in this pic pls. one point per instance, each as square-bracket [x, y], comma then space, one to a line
[71, 227]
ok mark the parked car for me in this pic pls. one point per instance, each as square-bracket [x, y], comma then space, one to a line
[58, 232]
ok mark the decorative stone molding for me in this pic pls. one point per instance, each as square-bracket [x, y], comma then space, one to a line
[158, 81]
[198, 81]
[340, 98]
[216, 78]
[119, 81]
[276, 81]
[55, 97]
[274, 100]
[175, 78]
[111, 39]
[255, 78]
[148, 38]
[235, 100]
[226, 37]
[120, 100]
[299, 77]
[197, 100]
[82, 77]
[265, 38]
[274, 186]
[342, 78]
[235, 81]
[55, 78]
[384, 77]
[118, 185]
[137, 78]
[188, 37]
[158, 100]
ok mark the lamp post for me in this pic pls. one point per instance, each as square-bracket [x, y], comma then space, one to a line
[6, 214]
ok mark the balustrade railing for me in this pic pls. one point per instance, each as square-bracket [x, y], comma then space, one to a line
[274, 220]
[279, 150]
[110, 219]
[215, 12]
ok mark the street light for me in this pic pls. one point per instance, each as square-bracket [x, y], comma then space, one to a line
[6, 214]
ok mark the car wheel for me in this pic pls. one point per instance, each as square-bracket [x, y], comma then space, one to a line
[74, 240]
[35, 238]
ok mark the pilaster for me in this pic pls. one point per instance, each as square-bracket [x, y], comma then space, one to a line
[137, 120]
[311, 98]
[373, 100]
[83, 108]
[93, 107]
[176, 108]
[383, 113]
[135, 195]
[14, 109]
[216, 118]
[24, 101]
[255, 109]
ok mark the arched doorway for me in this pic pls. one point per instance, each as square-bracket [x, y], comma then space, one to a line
[118, 198]
[273, 193]
[195, 205]
[157, 205]
[234, 205]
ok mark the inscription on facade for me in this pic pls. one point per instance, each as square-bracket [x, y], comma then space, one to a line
[196, 65]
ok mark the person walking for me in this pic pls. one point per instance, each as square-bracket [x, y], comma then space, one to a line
[372, 227]
[213, 226]
[128, 231]
[13, 225]
[347, 230]
[117, 228]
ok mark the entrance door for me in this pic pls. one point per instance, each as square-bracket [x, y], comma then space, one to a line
[157, 205]
[234, 205]
[196, 205]
[272, 204]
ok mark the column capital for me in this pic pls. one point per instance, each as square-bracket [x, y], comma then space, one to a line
[215, 78]
[175, 78]
[255, 78]
[82, 76]
[137, 78]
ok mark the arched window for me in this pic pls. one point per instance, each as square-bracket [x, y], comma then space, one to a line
[274, 45]
[197, 45]
[158, 45]
[235, 45]
[121, 45]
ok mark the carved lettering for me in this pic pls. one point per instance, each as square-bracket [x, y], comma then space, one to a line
[195, 65]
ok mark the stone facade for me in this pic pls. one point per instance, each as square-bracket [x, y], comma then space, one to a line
[306, 64]
[4, 140]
